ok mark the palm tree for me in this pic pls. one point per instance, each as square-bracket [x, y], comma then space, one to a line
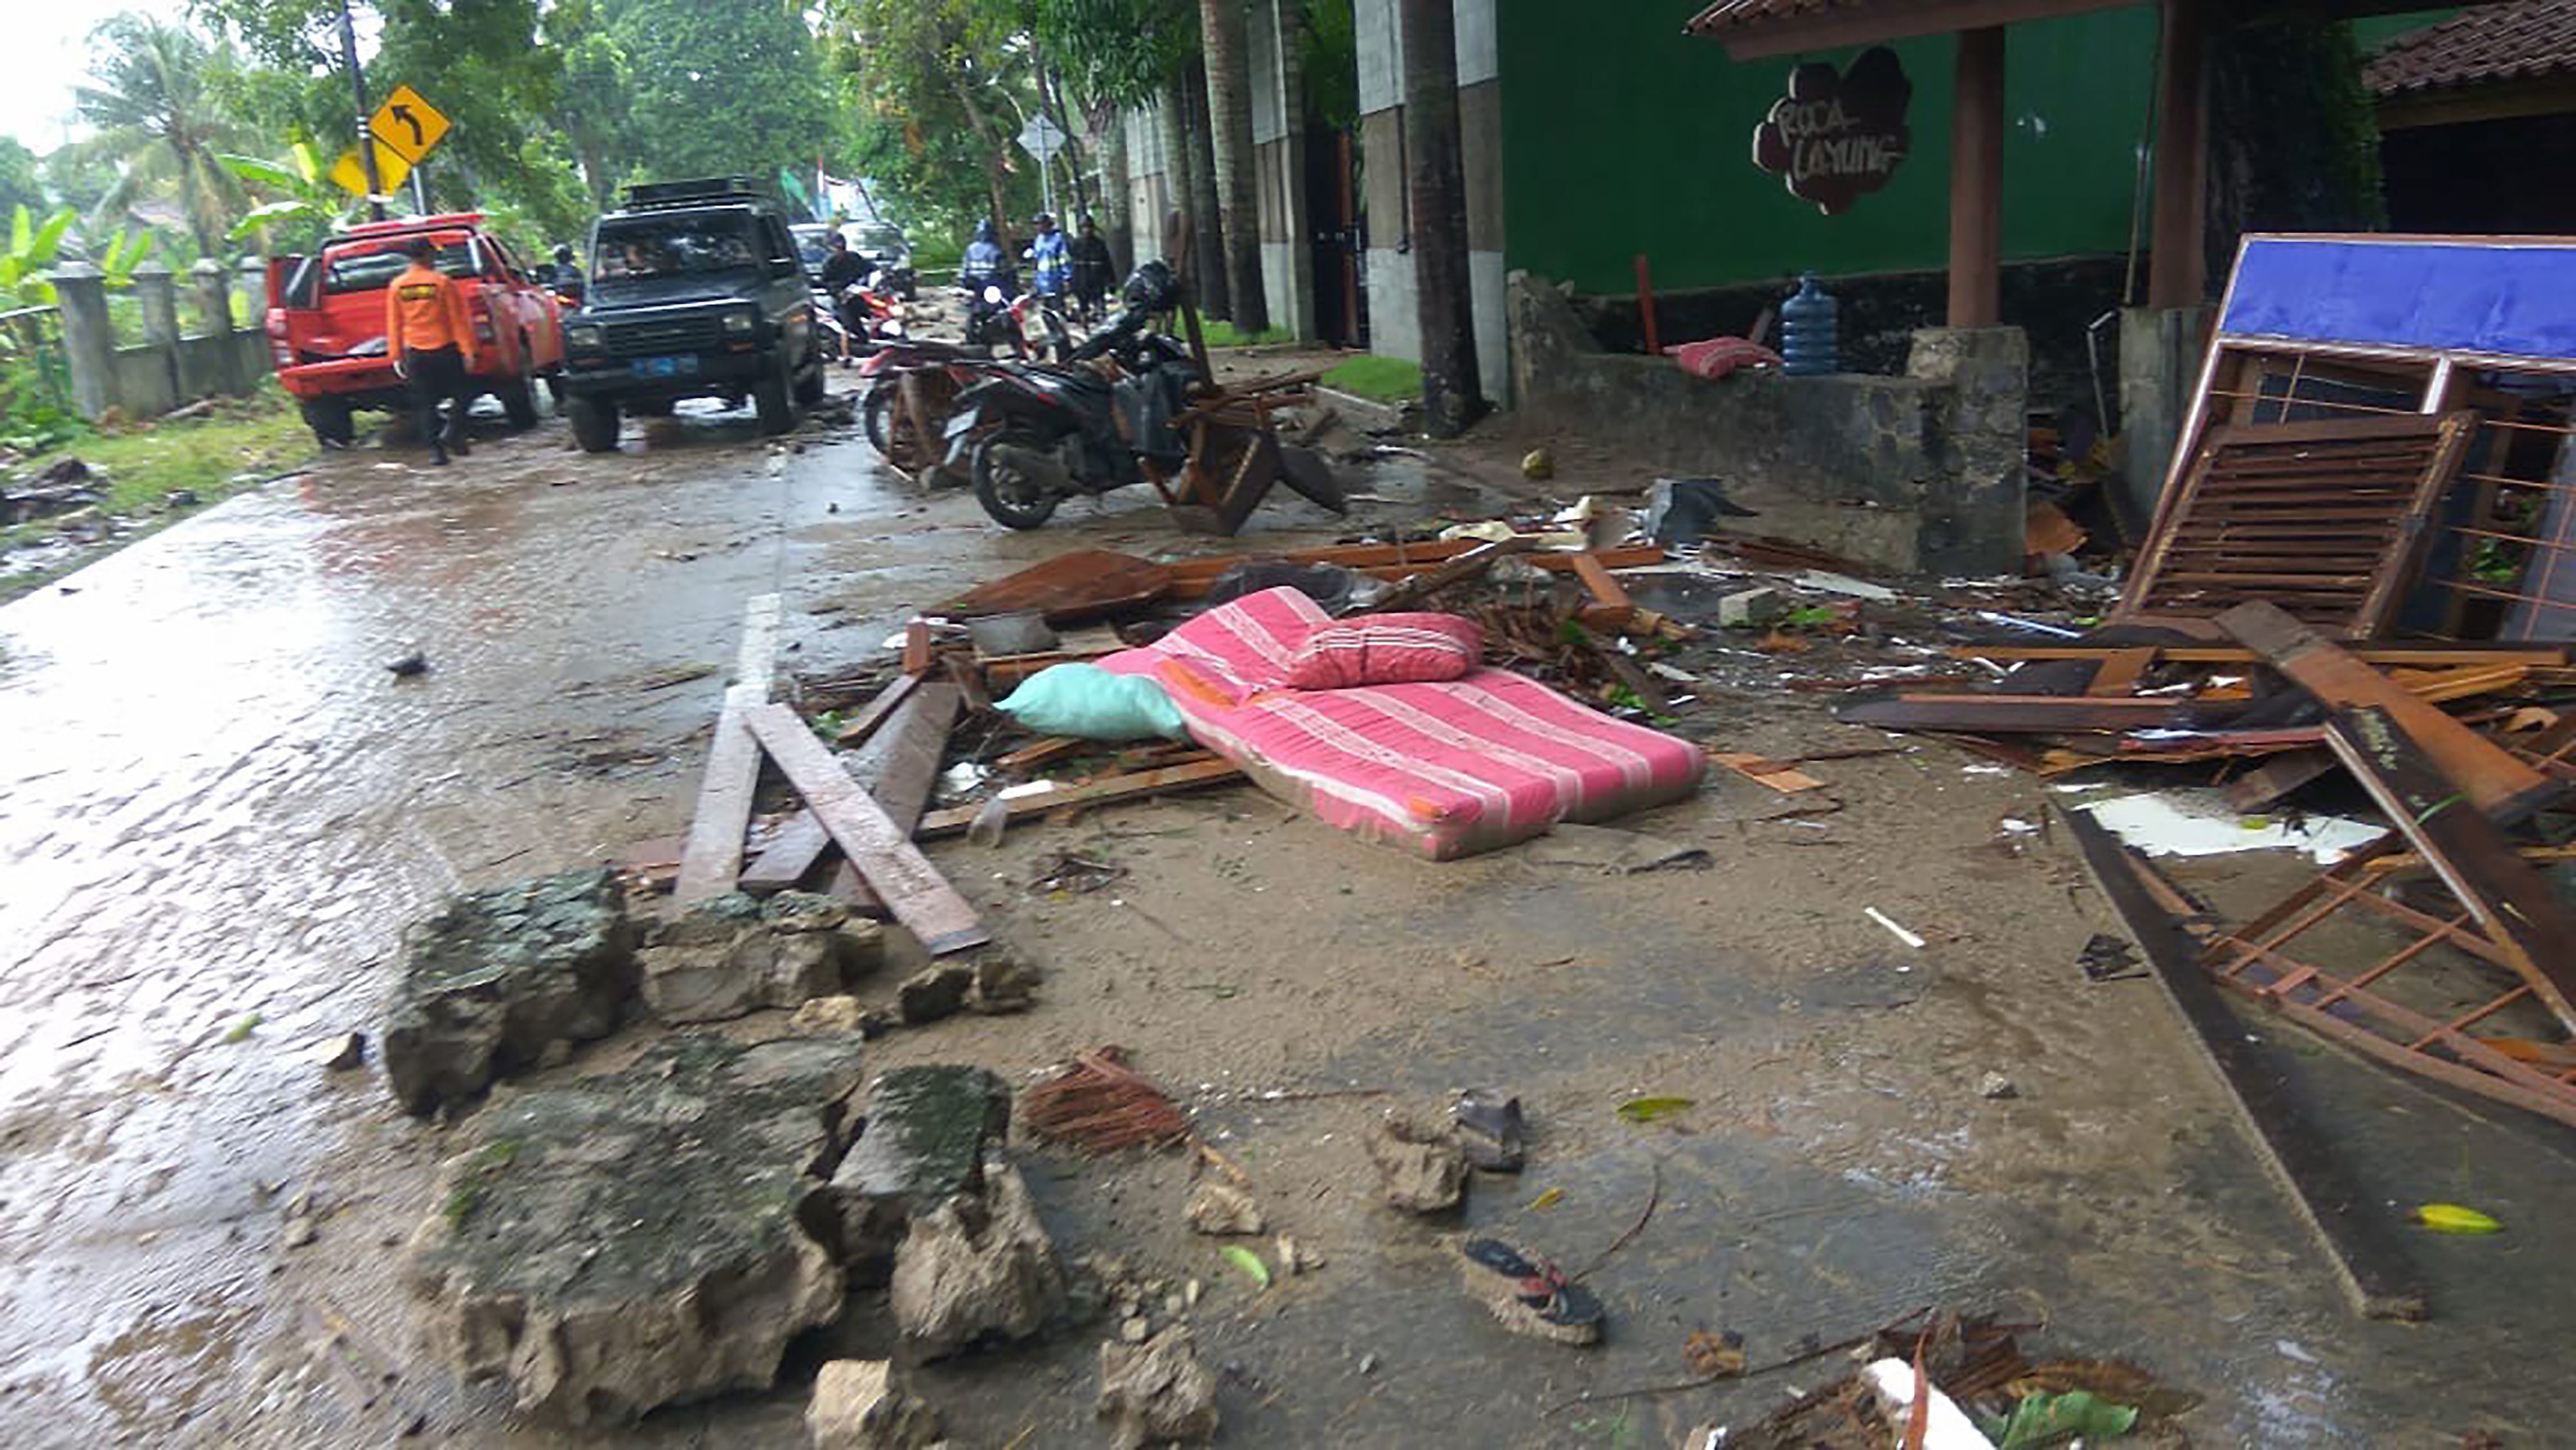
[1229, 88]
[157, 121]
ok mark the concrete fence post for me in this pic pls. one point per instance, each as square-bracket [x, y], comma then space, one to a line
[212, 283]
[89, 340]
[158, 291]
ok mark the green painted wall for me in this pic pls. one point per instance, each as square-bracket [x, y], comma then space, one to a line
[1623, 135]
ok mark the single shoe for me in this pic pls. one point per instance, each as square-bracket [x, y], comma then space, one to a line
[1490, 1130]
[1530, 1296]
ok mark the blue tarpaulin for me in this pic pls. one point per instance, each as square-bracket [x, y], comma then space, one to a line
[2466, 295]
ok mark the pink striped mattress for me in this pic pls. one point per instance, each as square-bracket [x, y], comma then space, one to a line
[1444, 769]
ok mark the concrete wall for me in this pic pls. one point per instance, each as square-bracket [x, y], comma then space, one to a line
[1918, 474]
[171, 370]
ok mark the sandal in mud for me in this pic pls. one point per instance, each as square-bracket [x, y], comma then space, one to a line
[1530, 1296]
[1490, 1130]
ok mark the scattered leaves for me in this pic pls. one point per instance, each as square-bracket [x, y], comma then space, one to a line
[240, 1031]
[1653, 1110]
[1249, 1262]
[1549, 1199]
[2044, 1420]
[2451, 1218]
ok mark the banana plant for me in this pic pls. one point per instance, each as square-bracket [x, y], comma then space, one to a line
[307, 200]
[25, 269]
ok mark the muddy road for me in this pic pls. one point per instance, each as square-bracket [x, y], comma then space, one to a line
[220, 810]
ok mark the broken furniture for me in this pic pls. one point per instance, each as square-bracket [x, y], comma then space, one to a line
[1444, 769]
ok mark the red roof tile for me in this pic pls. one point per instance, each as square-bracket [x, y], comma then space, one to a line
[2489, 43]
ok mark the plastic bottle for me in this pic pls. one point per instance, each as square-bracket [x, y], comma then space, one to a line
[1810, 331]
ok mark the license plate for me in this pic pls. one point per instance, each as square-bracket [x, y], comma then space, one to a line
[666, 367]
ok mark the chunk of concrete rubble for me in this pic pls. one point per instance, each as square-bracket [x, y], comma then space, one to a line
[340, 1052]
[977, 1267]
[857, 1406]
[1156, 1392]
[1420, 1168]
[734, 954]
[1218, 1209]
[929, 1130]
[1751, 608]
[640, 1238]
[498, 977]
[933, 993]
[825, 1015]
[1004, 982]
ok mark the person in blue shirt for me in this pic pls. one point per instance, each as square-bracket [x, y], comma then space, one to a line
[1050, 264]
[983, 261]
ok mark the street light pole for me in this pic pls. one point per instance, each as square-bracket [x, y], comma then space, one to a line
[358, 90]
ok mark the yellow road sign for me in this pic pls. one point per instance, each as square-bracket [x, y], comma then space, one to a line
[351, 173]
[408, 126]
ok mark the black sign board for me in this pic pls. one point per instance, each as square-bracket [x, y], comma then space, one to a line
[1838, 136]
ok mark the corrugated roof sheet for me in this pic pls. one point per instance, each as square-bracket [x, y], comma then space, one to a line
[1728, 15]
[2519, 41]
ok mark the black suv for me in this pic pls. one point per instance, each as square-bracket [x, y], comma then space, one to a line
[695, 292]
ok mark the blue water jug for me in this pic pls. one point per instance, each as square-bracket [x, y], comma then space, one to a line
[1810, 331]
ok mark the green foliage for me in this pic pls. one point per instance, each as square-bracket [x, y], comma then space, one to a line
[33, 249]
[2294, 133]
[717, 87]
[1223, 334]
[21, 183]
[1117, 52]
[158, 122]
[2041, 1420]
[1328, 49]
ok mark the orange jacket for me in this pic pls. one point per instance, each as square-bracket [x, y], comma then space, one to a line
[425, 308]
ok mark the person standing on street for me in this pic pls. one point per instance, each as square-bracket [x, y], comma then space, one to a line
[431, 341]
[1049, 267]
[1091, 268]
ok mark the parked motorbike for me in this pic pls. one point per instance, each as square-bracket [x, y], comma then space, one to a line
[944, 370]
[1033, 435]
[887, 281]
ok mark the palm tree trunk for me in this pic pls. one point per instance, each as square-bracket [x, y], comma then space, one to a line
[1208, 263]
[1229, 87]
[1117, 196]
[1452, 391]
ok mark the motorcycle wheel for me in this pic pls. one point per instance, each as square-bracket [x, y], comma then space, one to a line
[1014, 499]
[877, 416]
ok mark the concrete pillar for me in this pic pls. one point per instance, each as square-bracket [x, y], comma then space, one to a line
[2160, 360]
[158, 291]
[89, 340]
[1974, 516]
[214, 291]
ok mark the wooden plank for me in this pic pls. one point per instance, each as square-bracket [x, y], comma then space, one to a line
[900, 767]
[756, 662]
[2025, 714]
[1610, 608]
[2349, 1225]
[920, 652]
[1053, 747]
[790, 854]
[1457, 571]
[2120, 673]
[2512, 901]
[713, 856]
[874, 713]
[914, 891]
[1780, 775]
[2499, 784]
[1083, 585]
[2218, 654]
[1111, 788]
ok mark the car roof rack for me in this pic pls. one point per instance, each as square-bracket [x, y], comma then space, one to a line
[704, 191]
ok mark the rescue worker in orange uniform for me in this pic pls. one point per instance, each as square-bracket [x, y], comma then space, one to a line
[430, 338]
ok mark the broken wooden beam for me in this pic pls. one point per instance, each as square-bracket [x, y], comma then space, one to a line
[915, 893]
[1457, 571]
[2419, 656]
[2350, 1225]
[860, 726]
[1783, 776]
[898, 765]
[2515, 903]
[2499, 784]
[1131, 786]
[722, 816]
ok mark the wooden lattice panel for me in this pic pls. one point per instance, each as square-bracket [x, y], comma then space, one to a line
[2325, 519]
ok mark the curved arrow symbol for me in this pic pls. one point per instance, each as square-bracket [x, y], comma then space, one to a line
[403, 114]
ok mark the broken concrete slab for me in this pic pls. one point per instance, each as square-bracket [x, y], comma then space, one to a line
[857, 1406]
[1004, 982]
[1751, 608]
[826, 1015]
[928, 1132]
[497, 977]
[975, 1268]
[933, 993]
[736, 953]
[640, 1238]
[1156, 1392]
[1218, 1209]
[1421, 1169]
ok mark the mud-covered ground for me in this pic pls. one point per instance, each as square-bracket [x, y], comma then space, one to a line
[220, 810]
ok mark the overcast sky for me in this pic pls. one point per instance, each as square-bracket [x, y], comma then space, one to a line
[46, 56]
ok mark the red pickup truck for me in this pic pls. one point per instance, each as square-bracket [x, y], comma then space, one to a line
[326, 321]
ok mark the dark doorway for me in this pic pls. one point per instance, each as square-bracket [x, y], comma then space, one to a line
[1332, 207]
[2482, 177]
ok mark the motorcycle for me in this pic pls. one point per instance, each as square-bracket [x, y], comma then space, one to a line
[1032, 436]
[987, 300]
[885, 281]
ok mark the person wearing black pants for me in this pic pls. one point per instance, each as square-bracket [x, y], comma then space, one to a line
[430, 335]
